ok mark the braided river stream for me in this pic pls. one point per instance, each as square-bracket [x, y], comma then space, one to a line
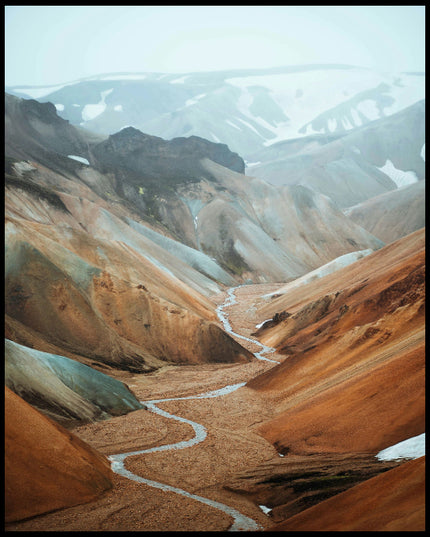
[240, 521]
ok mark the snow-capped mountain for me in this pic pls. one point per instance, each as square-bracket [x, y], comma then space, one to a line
[245, 109]
[349, 167]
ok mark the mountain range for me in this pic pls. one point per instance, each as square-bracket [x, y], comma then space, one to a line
[246, 109]
[133, 201]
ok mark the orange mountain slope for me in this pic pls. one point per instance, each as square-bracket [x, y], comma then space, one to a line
[354, 377]
[46, 467]
[392, 501]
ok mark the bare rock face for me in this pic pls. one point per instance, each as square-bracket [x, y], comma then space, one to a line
[155, 165]
[154, 157]
[47, 467]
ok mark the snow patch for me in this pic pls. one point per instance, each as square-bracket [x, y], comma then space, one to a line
[356, 117]
[217, 140]
[400, 177]
[118, 108]
[328, 93]
[180, 80]
[369, 109]
[265, 124]
[192, 101]
[79, 159]
[332, 124]
[248, 125]
[346, 123]
[59, 107]
[261, 324]
[91, 111]
[266, 510]
[412, 448]
[232, 124]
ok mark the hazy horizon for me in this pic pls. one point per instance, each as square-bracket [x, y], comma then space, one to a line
[48, 45]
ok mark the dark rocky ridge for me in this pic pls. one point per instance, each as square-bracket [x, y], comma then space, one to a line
[153, 158]
[34, 129]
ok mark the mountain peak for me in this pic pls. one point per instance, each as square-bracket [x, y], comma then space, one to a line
[152, 155]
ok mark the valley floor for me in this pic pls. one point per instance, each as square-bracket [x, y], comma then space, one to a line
[231, 446]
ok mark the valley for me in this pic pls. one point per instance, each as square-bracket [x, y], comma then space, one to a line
[216, 322]
[200, 469]
[181, 474]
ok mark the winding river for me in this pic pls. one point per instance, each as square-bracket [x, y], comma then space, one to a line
[240, 521]
[223, 317]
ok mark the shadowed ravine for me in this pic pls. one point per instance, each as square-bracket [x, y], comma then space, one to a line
[240, 522]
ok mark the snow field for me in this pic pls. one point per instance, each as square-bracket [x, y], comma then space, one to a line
[400, 177]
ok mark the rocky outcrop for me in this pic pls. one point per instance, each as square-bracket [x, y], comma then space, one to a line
[47, 467]
[148, 169]
[154, 157]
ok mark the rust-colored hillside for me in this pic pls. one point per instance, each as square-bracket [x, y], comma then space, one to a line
[392, 501]
[47, 467]
[354, 377]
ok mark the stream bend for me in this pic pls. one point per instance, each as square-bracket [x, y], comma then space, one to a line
[240, 521]
[230, 300]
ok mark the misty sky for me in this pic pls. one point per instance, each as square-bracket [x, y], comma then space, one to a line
[55, 44]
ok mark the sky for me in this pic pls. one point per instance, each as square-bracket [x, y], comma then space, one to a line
[55, 44]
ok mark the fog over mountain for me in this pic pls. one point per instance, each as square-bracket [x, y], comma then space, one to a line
[215, 272]
[246, 109]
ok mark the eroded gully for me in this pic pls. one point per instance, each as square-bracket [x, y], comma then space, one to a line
[240, 521]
